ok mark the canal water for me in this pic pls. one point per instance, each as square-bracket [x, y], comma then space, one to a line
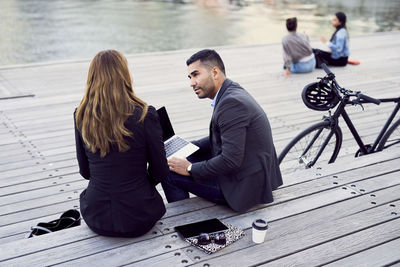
[42, 30]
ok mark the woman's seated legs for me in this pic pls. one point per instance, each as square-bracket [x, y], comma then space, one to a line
[339, 62]
[326, 57]
[321, 57]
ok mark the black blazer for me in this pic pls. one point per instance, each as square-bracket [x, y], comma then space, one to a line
[242, 149]
[121, 198]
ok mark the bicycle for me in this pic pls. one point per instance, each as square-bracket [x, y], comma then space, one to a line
[323, 140]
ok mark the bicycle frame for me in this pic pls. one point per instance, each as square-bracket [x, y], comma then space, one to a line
[320, 151]
[340, 111]
[388, 122]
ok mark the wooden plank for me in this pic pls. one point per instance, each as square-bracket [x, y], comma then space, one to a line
[341, 166]
[281, 195]
[382, 255]
[189, 125]
[39, 175]
[27, 215]
[340, 181]
[295, 121]
[246, 219]
[174, 258]
[17, 230]
[347, 245]
[37, 189]
[282, 242]
[127, 253]
[53, 197]
[89, 238]
[70, 149]
[71, 155]
[12, 254]
[315, 256]
[336, 194]
[33, 162]
[312, 217]
[302, 116]
[313, 195]
[262, 99]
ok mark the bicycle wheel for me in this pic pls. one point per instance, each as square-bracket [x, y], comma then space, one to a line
[305, 149]
[391, 137]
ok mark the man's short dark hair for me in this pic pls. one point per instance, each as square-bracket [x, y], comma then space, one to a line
[207, 56]
[291, 24]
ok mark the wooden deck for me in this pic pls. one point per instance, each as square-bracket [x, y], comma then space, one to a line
[342, 214]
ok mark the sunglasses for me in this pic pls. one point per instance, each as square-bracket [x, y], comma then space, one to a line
[205, 238]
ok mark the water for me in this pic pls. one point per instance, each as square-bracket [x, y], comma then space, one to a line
[42, 30]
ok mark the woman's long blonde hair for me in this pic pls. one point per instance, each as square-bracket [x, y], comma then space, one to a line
[108, 102]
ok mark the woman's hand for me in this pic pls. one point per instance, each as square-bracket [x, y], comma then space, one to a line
[323, 39]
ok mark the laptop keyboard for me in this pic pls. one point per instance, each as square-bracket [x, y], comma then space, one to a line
[174, 145]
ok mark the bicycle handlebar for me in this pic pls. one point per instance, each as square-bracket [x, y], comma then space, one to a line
[369, 99]
[328, 71]
[360, 96]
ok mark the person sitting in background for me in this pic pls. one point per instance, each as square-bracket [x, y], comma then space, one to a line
[117, 134]
[297, 51]
[338, 44]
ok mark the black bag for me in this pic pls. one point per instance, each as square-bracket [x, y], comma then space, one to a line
[68, 219]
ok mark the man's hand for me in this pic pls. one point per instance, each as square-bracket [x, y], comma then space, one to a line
[286, 73]
[323, 39]
[179, 166]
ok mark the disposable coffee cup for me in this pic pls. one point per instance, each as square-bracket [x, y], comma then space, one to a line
[260, 227]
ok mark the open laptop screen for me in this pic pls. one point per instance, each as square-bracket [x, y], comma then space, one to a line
[166, 125]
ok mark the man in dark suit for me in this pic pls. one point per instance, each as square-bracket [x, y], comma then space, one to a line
[237, 163]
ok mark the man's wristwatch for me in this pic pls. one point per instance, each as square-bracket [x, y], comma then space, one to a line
[189, 169]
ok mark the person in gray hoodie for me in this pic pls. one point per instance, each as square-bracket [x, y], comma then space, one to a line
[297, 52]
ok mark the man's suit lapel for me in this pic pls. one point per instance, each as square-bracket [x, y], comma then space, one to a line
[222, 90]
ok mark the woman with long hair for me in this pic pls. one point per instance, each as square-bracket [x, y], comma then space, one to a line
[120, 151]
[338, 44]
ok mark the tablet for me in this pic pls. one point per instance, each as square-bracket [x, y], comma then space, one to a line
[194, 229]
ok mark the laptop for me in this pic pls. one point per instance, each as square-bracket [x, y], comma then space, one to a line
[175, 146]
